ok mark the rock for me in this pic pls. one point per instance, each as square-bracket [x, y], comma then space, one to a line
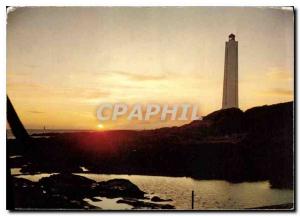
[67, 180]
[119, 188]
[67, 191]
[94, 199]
[138, 204]
[22, 183]
[157, 199]
[78, 187]
[31, 195]
[70, 185]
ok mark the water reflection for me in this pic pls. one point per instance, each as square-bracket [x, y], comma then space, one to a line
[108, 204]
[209, 194]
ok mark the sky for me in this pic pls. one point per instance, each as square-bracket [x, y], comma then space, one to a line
[63, 62]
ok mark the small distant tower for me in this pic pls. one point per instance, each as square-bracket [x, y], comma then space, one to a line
[230, 85]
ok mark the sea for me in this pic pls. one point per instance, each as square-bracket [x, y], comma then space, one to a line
[208, 194]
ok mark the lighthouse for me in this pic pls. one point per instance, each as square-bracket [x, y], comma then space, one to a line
[230, 85]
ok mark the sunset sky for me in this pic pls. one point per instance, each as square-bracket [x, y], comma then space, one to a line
[63, 62]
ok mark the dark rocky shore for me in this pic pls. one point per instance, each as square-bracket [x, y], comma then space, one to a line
[227, 144]
[68, 191]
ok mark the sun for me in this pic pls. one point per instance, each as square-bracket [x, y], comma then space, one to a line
[100, 126]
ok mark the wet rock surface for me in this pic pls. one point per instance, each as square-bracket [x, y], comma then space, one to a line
[119, 188]
[67, 191]
[70, 185]
[157, 199]
[138, 204]
[31, 195]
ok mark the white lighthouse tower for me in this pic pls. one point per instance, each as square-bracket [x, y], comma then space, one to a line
[230, 85]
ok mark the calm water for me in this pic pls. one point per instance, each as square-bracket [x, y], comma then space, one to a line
[209, 194]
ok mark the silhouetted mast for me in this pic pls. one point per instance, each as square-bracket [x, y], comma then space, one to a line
[15, 123]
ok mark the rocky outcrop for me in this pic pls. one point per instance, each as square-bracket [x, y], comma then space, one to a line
[70, 185]
[68, 191]
[31, 195]
[138, 204]
[119, 188]
[157, 199]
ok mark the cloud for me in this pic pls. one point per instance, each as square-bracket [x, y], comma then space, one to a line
[280, 91]
[13, 85]
[140, 77]
[31, 65]
[35, 112]
[121, 86]
[90, 93]
[278, 74]
[38, 90]
[145, 77]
